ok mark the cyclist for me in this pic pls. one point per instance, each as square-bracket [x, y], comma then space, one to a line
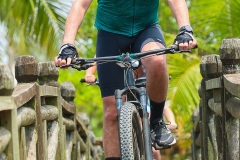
[167, 112]
[129, 26]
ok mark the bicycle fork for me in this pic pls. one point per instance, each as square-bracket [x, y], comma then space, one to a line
[146, 125]
[145, 121]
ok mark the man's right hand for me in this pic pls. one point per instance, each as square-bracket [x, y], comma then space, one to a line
[66, 54]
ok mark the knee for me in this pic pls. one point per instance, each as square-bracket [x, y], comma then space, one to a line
[110, 114]
[157, 67]
[110, 111]
[155, 62]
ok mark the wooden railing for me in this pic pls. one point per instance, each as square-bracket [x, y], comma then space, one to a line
[38, 118]
[216, 120]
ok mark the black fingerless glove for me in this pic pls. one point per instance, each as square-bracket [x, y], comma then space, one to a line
[68, 51]
[185, 35]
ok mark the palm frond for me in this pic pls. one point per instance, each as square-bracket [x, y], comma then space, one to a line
[183, 89]
[215, 22]
[40, 22]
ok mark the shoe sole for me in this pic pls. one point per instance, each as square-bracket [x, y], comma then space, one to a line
[157, 147]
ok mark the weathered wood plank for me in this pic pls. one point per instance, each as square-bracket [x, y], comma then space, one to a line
[52, 139]
[48, 73]
[232, 130]
[45, 139]
[31, 142]
[6, 103]
[69, 145]
[230, 55]
[215, 107]
[69, 124]
[8, 120]
[232, 83]
[233, 107]
[49, 112]
[39, 125]
[6, 81]
[81, 127]
[5, 137]
[68, 91]
[26, 69]
[210, 66]
[23, 151]
[67, 107]
[45, 90]
[23, 92]
[213, 83]
[83, 146]
[25, 116]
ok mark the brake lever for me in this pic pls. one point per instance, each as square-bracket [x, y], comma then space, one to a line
[65, 66]
[77, 67]
[189, 51]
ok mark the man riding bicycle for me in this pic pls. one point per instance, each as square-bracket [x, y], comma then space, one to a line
[129, 26]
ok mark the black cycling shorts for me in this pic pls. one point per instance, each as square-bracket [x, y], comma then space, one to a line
[111, 76]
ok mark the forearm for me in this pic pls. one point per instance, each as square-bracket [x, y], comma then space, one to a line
[91, 70]
[180, 12]
[89, 76]
[74, 20]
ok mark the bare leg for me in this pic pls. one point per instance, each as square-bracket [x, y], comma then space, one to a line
[170, 118]
[157, 75]
[110, 128]
[156, 154]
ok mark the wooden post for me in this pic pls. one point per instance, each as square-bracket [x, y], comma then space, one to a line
[210, 67]
[51, 111]
[68, 113]
[26, 99]
[8, 116]
[230, 57]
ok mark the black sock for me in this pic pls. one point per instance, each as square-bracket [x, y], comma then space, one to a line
[112, 158]
[156, 110]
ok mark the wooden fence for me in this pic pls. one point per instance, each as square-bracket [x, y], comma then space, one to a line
[38, 119]
[216, 120]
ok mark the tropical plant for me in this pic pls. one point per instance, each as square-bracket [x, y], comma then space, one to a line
[33, 27]
[36, 28]
[215, 20]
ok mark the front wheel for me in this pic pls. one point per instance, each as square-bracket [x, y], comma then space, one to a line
[130, 133]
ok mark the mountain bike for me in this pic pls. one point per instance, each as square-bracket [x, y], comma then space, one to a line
[132, 116]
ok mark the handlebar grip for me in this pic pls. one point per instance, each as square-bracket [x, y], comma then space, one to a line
[73, 61]
[82, 80]
[175, 47]
[196, 46]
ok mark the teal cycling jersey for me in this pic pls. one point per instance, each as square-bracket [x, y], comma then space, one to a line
[126, 17]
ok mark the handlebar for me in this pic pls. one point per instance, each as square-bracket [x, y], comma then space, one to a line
[85, 63]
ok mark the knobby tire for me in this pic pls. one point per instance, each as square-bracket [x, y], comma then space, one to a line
[130, 133]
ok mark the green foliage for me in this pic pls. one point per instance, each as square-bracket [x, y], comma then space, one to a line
[87, 98]
[36, 28]
[31, 22]
[183, 90]
[215, 20]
